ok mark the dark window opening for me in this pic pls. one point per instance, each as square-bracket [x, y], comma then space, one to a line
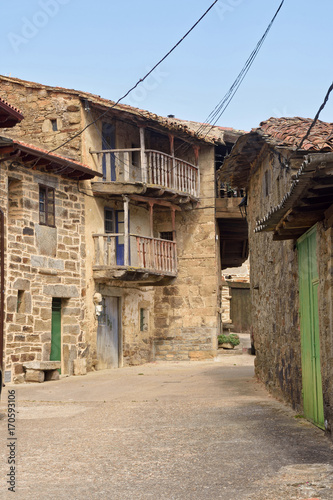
[166, 235]
[109, 220]
[54, 125]
[46, 206]
[135, 157]
[20, 301]
[143, 320]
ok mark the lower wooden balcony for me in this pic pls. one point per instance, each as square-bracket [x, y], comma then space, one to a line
[135, 258]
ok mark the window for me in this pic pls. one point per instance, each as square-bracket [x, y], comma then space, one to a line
[20, 301]
[267, 183]
[143, 320]
[46, 206]
[108, 220]
[54, 125]
[166, 235]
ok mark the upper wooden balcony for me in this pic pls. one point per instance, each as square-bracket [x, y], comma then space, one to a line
[227, 201]
[131, 257]
[146, 172]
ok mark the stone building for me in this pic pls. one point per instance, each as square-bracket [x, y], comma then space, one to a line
[42, 257]
[152, 231]
[290, 215]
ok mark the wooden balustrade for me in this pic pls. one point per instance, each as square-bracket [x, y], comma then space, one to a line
[154, 254]
[168, 171]
[155, 167]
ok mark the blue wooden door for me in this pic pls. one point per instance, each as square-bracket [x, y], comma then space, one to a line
[120, 226]
[120, 247]
[108, 142]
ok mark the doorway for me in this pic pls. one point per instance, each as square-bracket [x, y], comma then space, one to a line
[55, 354]
[108, 334]
[108, 142]
[309, 322]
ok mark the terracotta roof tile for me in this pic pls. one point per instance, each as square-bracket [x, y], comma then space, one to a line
[39, 153]
[172, 124]
[290, 131]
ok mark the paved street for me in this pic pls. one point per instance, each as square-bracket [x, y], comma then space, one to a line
[187, 430]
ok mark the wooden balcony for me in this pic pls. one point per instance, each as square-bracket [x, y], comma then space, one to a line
[133, 171]
[147, 260]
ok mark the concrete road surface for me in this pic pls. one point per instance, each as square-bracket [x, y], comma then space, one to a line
[187, 430]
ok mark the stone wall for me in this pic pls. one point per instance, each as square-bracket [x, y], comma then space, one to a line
[325, 271]
[274, 292]
[186, 312]
[42, 262]
[49, 117]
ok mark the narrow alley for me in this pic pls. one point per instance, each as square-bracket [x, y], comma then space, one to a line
[180, 430]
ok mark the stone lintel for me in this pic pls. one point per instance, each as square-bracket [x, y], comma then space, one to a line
[42, 365]
[61, 291]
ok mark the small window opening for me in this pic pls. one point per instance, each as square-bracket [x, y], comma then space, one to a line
[20, 301]
[46, 206]
[166, 235]
[267, 181]
[54, 125]
[143, 320]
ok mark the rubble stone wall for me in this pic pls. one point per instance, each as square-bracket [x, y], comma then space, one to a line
[187, 317]
[42, 262]
[274, 292]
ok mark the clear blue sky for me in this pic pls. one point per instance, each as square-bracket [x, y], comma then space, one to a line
[105, 46]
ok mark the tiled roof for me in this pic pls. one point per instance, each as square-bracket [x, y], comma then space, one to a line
[71, 168]
[172, 124]
[290, 132]
[9, 115]
[275, 132]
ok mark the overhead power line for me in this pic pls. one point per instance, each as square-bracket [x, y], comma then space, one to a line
[138, 82]
[219, 109]
[316, 117]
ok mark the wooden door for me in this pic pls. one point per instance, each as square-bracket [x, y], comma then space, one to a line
[309, 322]
[55, 354]
[108, 142]
[108, 334]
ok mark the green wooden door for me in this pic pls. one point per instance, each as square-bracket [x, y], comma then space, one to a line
[55, 354]
[309, 322]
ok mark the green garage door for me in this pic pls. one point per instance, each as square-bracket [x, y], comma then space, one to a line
[309, 321]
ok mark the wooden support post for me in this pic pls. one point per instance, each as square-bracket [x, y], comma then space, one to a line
[144, 176]
[126, 235]
[126, 167]
[151, 214]
[173, 218]
[173, 164]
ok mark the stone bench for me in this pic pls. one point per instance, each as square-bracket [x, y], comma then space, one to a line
[38, 371]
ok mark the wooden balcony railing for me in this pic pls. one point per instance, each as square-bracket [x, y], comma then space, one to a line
[151, 254]
[149, 166]
[168, 171]
[157, 254]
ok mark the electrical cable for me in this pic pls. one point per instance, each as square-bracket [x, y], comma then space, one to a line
[316, 117]
[219, 109]
[137, 83]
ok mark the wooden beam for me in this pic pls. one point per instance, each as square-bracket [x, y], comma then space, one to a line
[156, 201]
